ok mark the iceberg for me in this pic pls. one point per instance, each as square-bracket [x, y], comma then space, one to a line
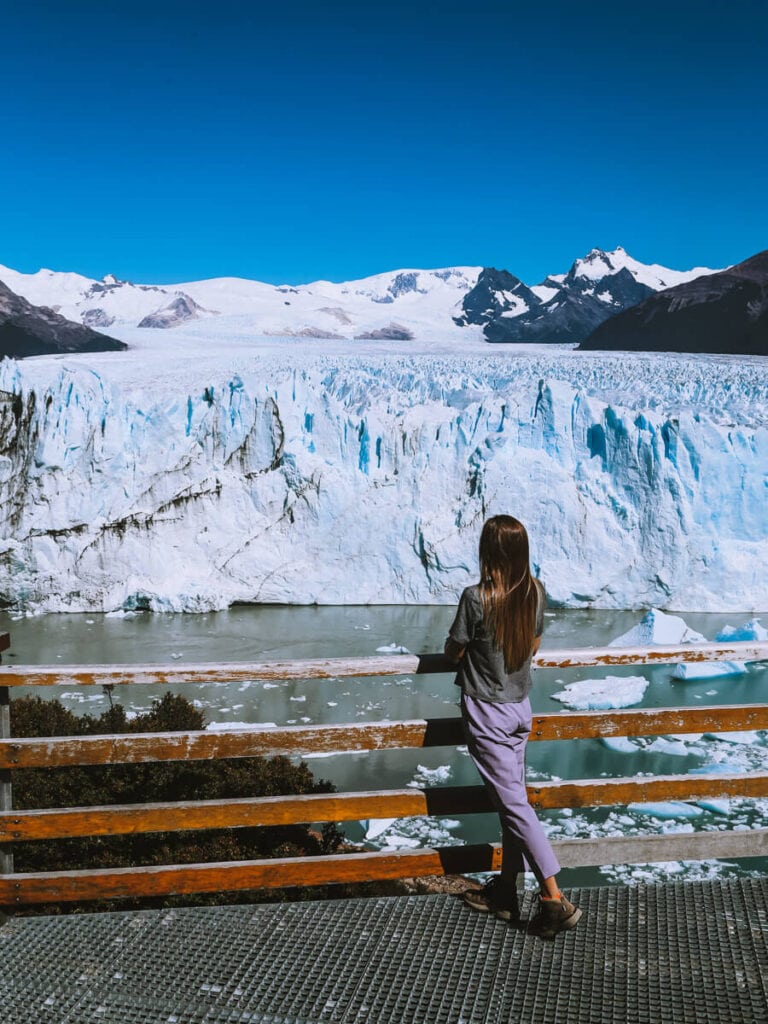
[197, 471]
[657, 629]
[666, 810]
[708, 669]
[603, 694]
[751, 630]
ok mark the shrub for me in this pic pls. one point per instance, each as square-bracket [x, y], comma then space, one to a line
[157, 782]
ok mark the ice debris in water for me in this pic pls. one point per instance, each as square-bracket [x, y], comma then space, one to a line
[603, 694]
[751, 630]
[708, 669]
[666, 810]
[392, 649]
[657, 628]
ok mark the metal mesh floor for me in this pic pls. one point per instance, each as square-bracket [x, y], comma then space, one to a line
[685, 952]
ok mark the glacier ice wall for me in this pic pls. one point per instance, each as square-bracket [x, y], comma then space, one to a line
[643, 481]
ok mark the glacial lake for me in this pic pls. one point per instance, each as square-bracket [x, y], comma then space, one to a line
[255, 633]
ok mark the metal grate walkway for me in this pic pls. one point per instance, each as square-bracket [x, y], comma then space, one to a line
[672, 954]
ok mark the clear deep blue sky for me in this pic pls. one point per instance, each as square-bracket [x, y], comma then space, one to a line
[292, 141]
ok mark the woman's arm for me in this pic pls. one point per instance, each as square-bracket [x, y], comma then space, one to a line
[453, 650]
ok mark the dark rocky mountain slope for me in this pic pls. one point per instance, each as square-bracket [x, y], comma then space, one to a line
[561, 309]
[722, 312]
[27, 330]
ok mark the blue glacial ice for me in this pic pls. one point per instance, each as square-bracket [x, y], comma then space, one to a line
[194, 484]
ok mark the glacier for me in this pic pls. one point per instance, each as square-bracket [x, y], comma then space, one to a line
[191, 473]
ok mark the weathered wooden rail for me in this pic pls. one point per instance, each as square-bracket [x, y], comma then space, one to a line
[18, 753]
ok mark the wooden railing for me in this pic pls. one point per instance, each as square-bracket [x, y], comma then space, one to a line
[45, 887]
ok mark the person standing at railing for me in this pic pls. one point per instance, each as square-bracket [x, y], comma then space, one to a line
[496, 632]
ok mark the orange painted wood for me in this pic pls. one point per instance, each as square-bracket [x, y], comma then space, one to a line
[644, 789]
[203, 744]
[310, 739]
[122, 819]
[115, 883]
[330, 668]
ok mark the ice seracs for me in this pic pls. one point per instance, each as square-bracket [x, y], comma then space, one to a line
[184, 476]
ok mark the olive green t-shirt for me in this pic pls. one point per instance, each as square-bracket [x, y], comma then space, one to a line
[482, 673]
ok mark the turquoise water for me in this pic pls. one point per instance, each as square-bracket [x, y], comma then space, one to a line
[253, 633]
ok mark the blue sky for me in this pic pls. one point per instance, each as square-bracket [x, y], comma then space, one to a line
[174, 141]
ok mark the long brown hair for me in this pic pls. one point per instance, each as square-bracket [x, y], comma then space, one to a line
[509, 592]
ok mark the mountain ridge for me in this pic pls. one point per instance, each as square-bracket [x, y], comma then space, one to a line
[494, 304]
[724, 312]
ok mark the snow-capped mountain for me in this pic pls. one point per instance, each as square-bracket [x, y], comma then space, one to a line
[723, 312]
[565, 307]
[400, 305]
[28, 330]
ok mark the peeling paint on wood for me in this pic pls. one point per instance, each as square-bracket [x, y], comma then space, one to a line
[310, 739]
[329, 668]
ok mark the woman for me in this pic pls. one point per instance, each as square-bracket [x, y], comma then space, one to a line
[496, 632]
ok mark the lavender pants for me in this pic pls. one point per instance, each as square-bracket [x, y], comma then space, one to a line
[496, 738]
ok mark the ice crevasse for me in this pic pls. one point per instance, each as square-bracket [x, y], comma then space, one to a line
[368, 481]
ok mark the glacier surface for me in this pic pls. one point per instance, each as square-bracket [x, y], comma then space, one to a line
[198, 471]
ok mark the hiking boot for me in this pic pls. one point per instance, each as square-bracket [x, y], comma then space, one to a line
[494, 898]
[554, 916]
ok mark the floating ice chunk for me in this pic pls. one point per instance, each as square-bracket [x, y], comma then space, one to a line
[603, 694]
[716, 768]
[375, 826]
[399, 842]
[750, 737]
[430, 776]
[708, 669]
[621, 744]
[751, 630]
[666, 809]
[392, 649]
[715, 806]
[658, 628]
[663, 745]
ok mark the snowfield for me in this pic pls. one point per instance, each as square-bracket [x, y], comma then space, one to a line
[207, 466]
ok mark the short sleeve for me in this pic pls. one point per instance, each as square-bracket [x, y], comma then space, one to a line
[542, 600]
[462, 627]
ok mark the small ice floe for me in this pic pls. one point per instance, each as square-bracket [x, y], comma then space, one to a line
[120, 613]
[750, 737]
[366, 626]
[603, 694]
[620, 744]
[429, 776]
[657, 628]
[176, 655]
[716, 768]
[715, 806]
[751, 630]
[665, 745]
[708, 669]
[375, 826]
[299, 700]
[666, 809]
[90, 622]
[392, 649]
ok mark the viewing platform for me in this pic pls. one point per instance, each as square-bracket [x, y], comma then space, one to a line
[677, 953]
[681, 953]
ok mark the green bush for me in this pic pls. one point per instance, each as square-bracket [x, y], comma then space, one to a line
[156, 783]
